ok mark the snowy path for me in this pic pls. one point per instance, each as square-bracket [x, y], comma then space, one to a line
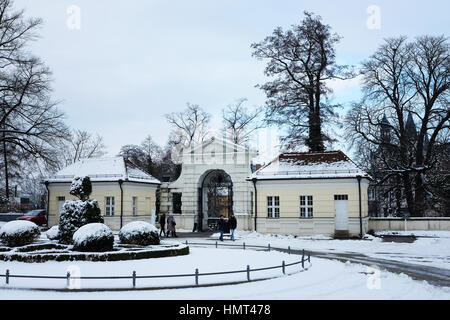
[426, 259]
[433, 275]
[430, 249]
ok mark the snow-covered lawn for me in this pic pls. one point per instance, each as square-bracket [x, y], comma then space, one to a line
[324, 280]
[432, 250]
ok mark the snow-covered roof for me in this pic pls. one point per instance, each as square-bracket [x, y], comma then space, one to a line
[309, 165]
[103, 169]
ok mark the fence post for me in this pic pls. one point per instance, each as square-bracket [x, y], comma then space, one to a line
[289, 249]
[309, 256]
[7, 276]
[283, 265]
[186, 242]
[68, 279]
[196, 277]
[269, 247]
[216, 244]
[248, 273]
[303, 258]
[134, 279]
[243, 245]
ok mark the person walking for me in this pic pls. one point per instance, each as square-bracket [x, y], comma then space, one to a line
[222, 226]
[171, 230]
[233, 224]
[162, 224]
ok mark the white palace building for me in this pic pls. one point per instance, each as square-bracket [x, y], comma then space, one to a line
[303, 193]
[296, 193]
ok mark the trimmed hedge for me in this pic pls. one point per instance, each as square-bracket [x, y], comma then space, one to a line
[119, 255]
[18, 233]
[139, 233]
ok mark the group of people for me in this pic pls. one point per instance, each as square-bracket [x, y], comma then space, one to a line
[171, 229]
[225, 223]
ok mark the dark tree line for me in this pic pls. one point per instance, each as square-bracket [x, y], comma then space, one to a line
[402, 124]
[30, 123]
[34, 140]
[400, 129]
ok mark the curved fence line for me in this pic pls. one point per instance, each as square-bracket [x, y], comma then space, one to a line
[306, 257]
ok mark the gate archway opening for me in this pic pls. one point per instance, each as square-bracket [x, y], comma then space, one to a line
[215, 199]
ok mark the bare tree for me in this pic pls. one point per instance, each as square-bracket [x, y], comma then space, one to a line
[30, 123]
[79, 145]
[403, 81]
[429, 72]
[239, 122]
[152, 149]
[191, 125]
[300, 61]
[15, 33]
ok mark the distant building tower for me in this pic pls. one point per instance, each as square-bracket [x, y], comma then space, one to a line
[385, 130]
[410, 129]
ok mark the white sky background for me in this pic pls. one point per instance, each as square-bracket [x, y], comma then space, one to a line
[134, 61]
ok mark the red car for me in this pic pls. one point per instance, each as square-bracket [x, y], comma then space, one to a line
[38, 216]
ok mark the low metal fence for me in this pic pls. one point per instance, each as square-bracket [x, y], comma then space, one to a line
[305, 257]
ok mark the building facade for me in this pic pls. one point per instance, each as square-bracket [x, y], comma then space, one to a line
[212, 182]
[311, 193]
[124, 193]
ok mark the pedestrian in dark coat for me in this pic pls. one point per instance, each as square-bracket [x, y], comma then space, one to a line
[222, 226]
[162, 223]
[171, 230]
[233, 225]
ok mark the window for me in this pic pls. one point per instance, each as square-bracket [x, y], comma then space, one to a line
[109, 209]
[341, 197]
[306, 206]
[176, 202]
[273, 207]
[134, 206]
[61, 201]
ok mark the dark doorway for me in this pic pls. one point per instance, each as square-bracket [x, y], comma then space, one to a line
[215, 199]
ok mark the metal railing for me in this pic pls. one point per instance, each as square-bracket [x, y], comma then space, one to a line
[305, 257]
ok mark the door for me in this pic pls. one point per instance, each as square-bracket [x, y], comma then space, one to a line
[61, 201]
[341, 212]
[148, 200]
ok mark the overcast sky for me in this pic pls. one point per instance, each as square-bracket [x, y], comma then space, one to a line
[133, 61]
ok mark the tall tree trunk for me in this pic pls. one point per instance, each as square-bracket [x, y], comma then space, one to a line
[420, 161]
[5, 160]
[409, 193]
[315, 140]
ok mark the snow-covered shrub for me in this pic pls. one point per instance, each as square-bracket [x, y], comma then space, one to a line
[140, 233]
[19, 233]
[93, 237]
[52, 233]
[77, 213]
[81, 187]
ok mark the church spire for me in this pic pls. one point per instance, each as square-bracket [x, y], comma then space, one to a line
[410, 128]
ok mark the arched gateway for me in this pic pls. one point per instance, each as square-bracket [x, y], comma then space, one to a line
[212, 182]
[215, 198]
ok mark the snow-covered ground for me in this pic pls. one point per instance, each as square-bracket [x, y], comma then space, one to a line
[432, 250]
[324, 280]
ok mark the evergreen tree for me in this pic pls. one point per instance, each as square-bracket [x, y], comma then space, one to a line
[77, 213]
